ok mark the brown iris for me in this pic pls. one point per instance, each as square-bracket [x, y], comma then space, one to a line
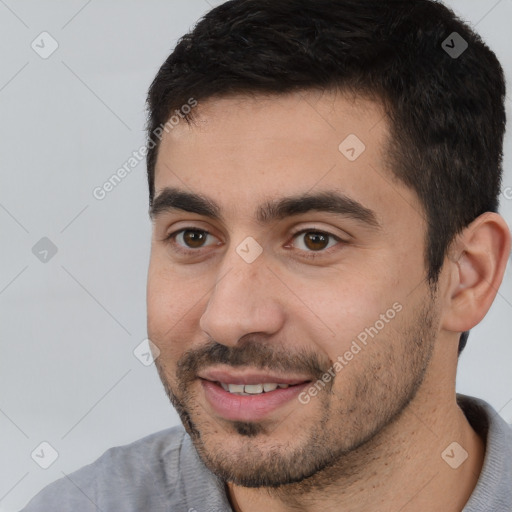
[194, 238]
[316, 241]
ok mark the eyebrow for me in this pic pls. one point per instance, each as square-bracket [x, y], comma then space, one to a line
[171, 199]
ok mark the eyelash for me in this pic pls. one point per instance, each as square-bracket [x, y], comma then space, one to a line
[171, 240]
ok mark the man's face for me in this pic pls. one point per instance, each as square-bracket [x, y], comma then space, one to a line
[308, 271]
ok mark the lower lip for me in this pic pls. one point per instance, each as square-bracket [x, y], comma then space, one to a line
[248, 408]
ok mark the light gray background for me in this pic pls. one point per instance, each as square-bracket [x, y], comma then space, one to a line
[68, 375]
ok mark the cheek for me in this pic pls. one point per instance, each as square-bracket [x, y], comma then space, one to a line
[335, 309]
[348, 307]
[173, 306]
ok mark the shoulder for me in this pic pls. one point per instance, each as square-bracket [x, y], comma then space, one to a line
[493, 490]
[129, 477]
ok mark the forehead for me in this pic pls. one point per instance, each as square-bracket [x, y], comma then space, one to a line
[245, 150]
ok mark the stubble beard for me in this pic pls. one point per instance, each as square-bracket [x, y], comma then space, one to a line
[333, 445]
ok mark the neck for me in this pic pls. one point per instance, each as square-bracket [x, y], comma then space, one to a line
[400, 468]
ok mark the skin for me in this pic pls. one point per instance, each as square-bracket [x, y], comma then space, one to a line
[373, 438]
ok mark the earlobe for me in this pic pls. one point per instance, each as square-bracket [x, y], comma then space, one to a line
[478, 260]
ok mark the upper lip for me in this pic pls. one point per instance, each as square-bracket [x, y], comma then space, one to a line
[249, 377]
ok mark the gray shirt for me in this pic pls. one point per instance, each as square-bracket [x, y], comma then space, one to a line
[162, 472]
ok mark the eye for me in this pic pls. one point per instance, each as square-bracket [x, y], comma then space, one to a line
[310, 241]
[189, 239]
[314, 241]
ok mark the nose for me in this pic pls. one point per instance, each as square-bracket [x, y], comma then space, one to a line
[245, 300]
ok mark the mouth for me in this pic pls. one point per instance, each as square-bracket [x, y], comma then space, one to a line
[253, 389]
[249, 397]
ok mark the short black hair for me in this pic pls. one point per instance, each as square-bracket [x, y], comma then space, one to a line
[445, 102]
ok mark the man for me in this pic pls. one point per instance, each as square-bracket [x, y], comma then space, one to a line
[323, 181]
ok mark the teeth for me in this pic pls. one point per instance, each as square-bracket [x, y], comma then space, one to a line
[252, 389]
[236, 388]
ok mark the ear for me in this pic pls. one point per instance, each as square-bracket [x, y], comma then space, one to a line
[476, 264]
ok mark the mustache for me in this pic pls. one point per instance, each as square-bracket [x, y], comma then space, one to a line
[251, 353]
